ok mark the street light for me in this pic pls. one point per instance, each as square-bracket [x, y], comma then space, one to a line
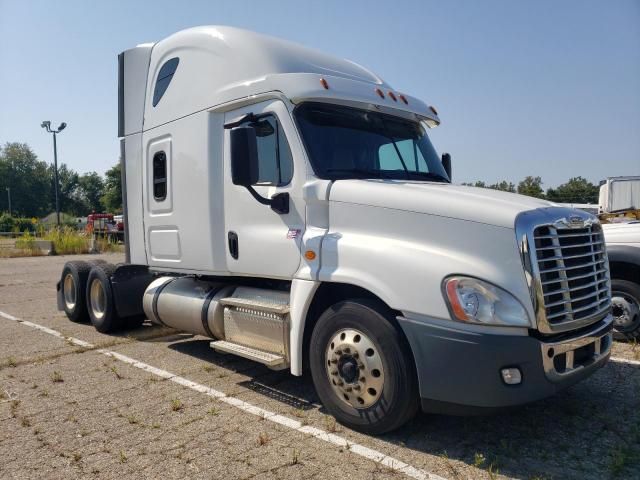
[47, 125]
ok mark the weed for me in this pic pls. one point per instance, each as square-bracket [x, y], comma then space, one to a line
[56, 377]
[155, 425]
[478, 460]
[25, 422]
[12, 362]
[176, 405]
[123, 457]
[263, 439]
[619, 460]
[37, 431]
[14, 408]
[208, 368]
[331, 424]
[214, 411]
[493, 471]
[295, 456]
[44, 393]
[118, 375]
[76, 457]
[132, 420]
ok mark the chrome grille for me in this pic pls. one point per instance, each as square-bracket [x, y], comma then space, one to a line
[573, 272]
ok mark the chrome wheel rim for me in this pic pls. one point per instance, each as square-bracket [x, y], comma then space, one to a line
[98, 299]
[354, 368]
[626, 311]
[69, 290]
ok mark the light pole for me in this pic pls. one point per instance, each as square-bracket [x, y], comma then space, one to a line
[47, 125]
[9, 197]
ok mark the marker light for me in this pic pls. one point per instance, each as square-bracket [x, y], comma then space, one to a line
[380, 93]
[404, 99]
[473, 300]
[324, 83]
[310, 255]
[393, 96]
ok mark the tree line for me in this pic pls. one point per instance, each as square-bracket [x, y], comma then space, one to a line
[32, 186]
[576, 190]
[31, 182]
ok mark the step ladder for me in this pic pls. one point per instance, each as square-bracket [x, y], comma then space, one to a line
[271, 360]
[256, 326]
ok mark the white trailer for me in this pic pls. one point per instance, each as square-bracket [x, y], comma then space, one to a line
[290, 205]
[619, 194]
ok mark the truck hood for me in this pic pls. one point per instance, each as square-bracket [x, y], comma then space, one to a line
[480, 205]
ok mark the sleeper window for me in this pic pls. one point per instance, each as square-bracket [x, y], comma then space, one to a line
[164, 79]
[274, 155]
[160, 176]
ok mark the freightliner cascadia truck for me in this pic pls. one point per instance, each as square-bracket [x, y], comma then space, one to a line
[290, 206]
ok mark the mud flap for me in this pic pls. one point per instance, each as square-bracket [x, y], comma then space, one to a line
[59, 296]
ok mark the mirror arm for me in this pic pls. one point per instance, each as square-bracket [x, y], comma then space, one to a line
[279, 202]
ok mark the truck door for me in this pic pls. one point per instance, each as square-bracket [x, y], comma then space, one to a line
[261, 241]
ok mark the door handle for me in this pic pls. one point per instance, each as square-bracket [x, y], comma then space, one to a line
[233, 244]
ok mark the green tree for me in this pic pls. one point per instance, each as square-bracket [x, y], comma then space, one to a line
[531, 186]
[478, 183]
[68, 190]
[91, 190]
[29, 181]
[504, 186]
[112, 198]
[576, 190]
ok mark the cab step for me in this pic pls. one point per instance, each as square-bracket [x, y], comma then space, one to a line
[259, 304]
[271, 360]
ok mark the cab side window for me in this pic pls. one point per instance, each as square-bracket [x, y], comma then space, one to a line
[274, 155]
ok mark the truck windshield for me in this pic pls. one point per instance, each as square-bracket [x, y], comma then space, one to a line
[344, 142]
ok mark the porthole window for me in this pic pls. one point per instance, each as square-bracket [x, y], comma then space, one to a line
[164, 78]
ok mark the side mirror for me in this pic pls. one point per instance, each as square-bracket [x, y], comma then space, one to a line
[244, 156]
[446, 163]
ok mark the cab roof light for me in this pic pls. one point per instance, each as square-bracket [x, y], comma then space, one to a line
[404, 99]
[380, 93]
[433, 109]
[324, 83]
[393, 96]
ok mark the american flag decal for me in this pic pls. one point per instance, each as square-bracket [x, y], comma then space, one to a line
[293, 233]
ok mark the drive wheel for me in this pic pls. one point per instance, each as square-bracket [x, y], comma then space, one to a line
[100, 303]
[361, 367]
[73, 283]
[626, 309]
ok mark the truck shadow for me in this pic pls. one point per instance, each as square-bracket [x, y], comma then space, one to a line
[591, 430]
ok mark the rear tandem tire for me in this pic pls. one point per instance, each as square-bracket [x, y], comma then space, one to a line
[73, 283]
[99, 299]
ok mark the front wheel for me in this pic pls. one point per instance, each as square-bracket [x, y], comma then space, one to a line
[626, 309]
[361, 367]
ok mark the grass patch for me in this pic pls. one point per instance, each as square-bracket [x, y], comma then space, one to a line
[176, 405]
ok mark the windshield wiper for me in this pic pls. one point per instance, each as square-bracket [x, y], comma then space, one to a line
[359, 172]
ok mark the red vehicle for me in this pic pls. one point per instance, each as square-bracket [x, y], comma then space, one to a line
[105, 224]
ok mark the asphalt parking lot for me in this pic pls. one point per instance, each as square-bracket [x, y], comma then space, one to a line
[155, 402]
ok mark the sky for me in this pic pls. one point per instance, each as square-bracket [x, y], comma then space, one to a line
[543, 88]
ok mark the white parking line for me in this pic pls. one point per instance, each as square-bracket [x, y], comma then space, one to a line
[318, 433]
[624, 360]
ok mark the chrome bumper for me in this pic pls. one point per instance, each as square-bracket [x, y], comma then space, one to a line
[565, 358]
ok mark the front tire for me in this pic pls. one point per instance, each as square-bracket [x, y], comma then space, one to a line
[100, 302]
[361, 367]
[626, 309]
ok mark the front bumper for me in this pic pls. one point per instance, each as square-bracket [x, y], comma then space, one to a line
[459, 371]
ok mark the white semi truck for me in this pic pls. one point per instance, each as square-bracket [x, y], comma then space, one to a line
[290, 205]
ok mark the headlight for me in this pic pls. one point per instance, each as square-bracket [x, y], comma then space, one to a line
[475, 301]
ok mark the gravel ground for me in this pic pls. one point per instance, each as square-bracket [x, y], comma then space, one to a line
[69, 412]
